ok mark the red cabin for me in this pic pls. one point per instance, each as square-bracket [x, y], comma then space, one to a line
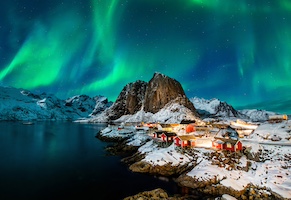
[233, 145]
[183, 141]
[227, 144]
[168, 136]
[217, 144]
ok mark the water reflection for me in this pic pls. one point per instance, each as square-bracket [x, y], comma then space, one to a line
[61, 160]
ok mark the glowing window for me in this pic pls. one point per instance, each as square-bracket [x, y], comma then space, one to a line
[228, 145]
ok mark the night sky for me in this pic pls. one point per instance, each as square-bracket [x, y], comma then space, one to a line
[236, 50]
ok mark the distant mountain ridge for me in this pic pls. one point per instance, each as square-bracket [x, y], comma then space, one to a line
[162, 99]
[19, 104]
[214, 108]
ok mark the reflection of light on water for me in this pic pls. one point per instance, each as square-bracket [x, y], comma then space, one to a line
[163, 178]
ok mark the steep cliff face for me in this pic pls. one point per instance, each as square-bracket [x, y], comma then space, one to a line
[149, 97]
[129, 101]
[161, 90]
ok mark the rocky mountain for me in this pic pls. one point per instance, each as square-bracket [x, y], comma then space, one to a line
[148, 97]
[19, 104]
[129, 101]
[161, 90]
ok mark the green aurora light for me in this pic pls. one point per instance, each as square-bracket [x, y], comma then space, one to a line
[237, 51]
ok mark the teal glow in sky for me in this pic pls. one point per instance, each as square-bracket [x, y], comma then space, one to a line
[237, 51]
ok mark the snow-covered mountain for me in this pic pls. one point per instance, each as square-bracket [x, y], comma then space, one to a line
[214, 108]
[19, 104]
[161, 100]
[257, 115]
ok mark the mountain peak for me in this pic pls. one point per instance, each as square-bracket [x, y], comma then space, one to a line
[161, 90]
[150, 97]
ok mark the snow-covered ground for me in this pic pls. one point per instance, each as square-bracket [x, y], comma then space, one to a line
[162, 156]
[270, 170]
[273, 171]
[273, 174]
[266, 132]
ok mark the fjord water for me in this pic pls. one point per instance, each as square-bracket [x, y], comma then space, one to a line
[63, 160]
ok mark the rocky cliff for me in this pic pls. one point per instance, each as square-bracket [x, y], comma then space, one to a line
[161, 90]
[129, 101]
[150, 97]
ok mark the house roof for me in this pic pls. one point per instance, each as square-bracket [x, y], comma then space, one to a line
[169, 134]
[219, 141]
[159, 132]
[186, 137]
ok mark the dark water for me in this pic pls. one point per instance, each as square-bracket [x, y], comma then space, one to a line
[64, 160]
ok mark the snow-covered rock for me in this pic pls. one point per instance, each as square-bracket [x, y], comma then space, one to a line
[215, 108]
[171, 113]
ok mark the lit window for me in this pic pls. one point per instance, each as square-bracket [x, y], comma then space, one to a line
[228, 145]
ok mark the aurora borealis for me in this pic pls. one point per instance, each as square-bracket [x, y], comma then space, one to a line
[237, 51]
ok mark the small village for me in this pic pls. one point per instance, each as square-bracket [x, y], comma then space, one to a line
[190, 135]
[228, 156]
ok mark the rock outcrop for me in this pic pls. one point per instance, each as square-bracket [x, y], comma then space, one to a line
[163, 170]
[161, 90]
[153, 194]
[213, 187]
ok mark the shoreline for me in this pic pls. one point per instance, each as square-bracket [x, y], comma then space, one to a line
[136, 161]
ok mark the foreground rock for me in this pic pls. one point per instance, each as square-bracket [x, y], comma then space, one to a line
[163, 170]
[153, 194]
[159, 194]
[213, 187]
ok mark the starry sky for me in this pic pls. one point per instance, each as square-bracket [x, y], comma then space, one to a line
[238, 51]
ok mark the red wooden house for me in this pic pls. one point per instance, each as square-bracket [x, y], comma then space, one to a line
[227, 144]
[232, 145]
[168, 136]
[217, 144]
[184, 140]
